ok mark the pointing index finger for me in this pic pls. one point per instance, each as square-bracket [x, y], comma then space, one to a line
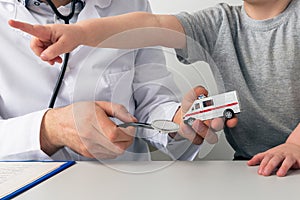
[38, 31]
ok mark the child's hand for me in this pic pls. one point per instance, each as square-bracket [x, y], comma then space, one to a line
[200, 130]
[284, 157]
[51, 40]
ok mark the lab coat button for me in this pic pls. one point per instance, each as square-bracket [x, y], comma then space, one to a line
[10, 7]
[104, 3]
[67, 69]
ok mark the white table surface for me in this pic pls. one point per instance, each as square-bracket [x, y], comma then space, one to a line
[209, 180]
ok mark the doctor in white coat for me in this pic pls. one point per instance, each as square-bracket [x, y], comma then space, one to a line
[100, 85]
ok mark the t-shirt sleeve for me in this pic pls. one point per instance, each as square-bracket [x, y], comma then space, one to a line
[201, 29]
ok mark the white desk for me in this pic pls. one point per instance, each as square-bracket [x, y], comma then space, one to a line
[204, 180]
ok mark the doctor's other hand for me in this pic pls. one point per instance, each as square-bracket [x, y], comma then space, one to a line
[51, 40]
[85, 127]
[200, 130]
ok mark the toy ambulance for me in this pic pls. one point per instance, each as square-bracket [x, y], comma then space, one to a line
[205, 108]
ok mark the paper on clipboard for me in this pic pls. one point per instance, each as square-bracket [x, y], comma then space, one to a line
[17, 177]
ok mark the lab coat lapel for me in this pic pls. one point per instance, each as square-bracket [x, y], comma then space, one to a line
[104, 3]
[24, 14]
[91, 10]
[16, 10]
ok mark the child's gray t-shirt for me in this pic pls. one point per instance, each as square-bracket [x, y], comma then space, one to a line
[258, 58]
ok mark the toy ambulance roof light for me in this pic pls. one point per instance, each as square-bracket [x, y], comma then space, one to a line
[201, 96]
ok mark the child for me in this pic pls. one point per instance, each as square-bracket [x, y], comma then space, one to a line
[254, 49]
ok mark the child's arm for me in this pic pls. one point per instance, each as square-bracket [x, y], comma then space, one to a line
[131, 30]
[295, 136]
[140, 28]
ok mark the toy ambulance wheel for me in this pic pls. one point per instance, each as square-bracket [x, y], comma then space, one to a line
[189, 121]
[228, 114]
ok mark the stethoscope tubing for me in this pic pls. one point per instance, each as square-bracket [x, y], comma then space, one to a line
[66, 18]
[60, 78]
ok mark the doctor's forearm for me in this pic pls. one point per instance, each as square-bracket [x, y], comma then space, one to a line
[133, 30]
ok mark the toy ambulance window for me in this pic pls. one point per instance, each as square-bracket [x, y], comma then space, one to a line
[197, 106]
[208, 103]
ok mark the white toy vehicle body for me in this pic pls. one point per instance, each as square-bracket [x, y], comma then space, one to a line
[220, 105]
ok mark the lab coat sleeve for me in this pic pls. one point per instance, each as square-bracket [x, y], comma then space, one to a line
[157, 97]
[20, 137]
[179, 149]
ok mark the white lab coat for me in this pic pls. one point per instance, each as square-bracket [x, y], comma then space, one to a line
[137, 79]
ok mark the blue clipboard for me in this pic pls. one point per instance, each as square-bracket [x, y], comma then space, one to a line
[64, 166]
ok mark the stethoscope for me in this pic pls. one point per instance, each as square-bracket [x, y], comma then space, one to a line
[66, 19]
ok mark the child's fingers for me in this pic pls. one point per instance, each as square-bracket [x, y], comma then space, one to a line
[255, 160]
[232, 122]
[41, 32]
[52, 52]
[285, 166]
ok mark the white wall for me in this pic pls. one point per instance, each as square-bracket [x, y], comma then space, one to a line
[187, 76]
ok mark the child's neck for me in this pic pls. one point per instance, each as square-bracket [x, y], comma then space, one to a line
[265, 9]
